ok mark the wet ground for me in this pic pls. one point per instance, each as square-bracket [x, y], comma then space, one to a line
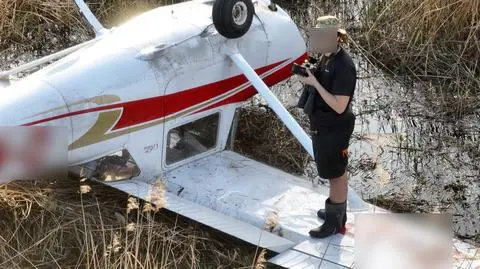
[407, 154]
[409, 158]
[405, 157]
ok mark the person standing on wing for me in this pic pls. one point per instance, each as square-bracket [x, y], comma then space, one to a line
[326, 99]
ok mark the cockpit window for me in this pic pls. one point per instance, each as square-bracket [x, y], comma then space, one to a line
[113, 167]
[192, 138]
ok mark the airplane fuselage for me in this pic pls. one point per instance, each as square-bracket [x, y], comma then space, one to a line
[162, 69]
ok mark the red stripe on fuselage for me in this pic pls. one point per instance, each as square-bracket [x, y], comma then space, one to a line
[145, 110]
[270, 80]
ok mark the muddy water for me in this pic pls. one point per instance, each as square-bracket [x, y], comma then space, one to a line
[404, 158]
[405, 155]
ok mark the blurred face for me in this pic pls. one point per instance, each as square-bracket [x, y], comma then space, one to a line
[323, 40]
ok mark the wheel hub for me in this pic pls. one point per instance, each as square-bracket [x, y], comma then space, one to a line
[240, 13]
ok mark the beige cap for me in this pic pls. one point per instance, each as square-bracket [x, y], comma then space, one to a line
[330, 21]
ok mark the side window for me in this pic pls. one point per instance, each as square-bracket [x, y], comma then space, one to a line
[114, 167]
[192, 138]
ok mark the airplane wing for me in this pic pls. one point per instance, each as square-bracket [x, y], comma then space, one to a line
[238, 196]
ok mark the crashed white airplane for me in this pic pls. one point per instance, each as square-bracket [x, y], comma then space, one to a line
[158, 97]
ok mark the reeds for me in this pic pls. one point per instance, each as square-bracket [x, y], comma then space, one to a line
[54, 225]
[38, 24]
[433, 41]
[261, 135]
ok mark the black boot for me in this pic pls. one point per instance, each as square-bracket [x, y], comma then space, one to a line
[321, 215]
[334, 216]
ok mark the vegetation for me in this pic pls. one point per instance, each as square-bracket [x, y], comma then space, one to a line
[435, 42]
[262, 136]
[39, 24]
[69, 224]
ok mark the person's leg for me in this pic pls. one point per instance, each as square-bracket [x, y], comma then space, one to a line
[334, 168]
[339, 189]
[335, 210]
[338, 193]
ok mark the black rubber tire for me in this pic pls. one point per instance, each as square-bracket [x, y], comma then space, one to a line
[222, 15]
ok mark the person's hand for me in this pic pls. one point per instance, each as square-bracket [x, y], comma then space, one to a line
[310, 80]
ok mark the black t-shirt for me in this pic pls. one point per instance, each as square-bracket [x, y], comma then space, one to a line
[338, 75]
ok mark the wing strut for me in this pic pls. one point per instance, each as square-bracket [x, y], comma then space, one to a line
[92, 20]
[272, 100]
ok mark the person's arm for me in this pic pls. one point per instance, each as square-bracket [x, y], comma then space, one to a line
[337, 102]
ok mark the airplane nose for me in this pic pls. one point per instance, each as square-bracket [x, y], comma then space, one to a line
[27, 152]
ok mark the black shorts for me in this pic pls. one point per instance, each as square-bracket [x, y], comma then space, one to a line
[330, 147]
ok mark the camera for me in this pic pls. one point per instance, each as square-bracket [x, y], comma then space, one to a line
[312, 60]
[310, 63]
[299, 70]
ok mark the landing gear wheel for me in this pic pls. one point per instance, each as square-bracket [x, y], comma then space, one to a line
[232, 18]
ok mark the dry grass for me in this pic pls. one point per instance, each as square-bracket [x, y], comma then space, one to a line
[262, 136]
[434, 41]
[261, 262]
[53, 225]
[38, 24]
